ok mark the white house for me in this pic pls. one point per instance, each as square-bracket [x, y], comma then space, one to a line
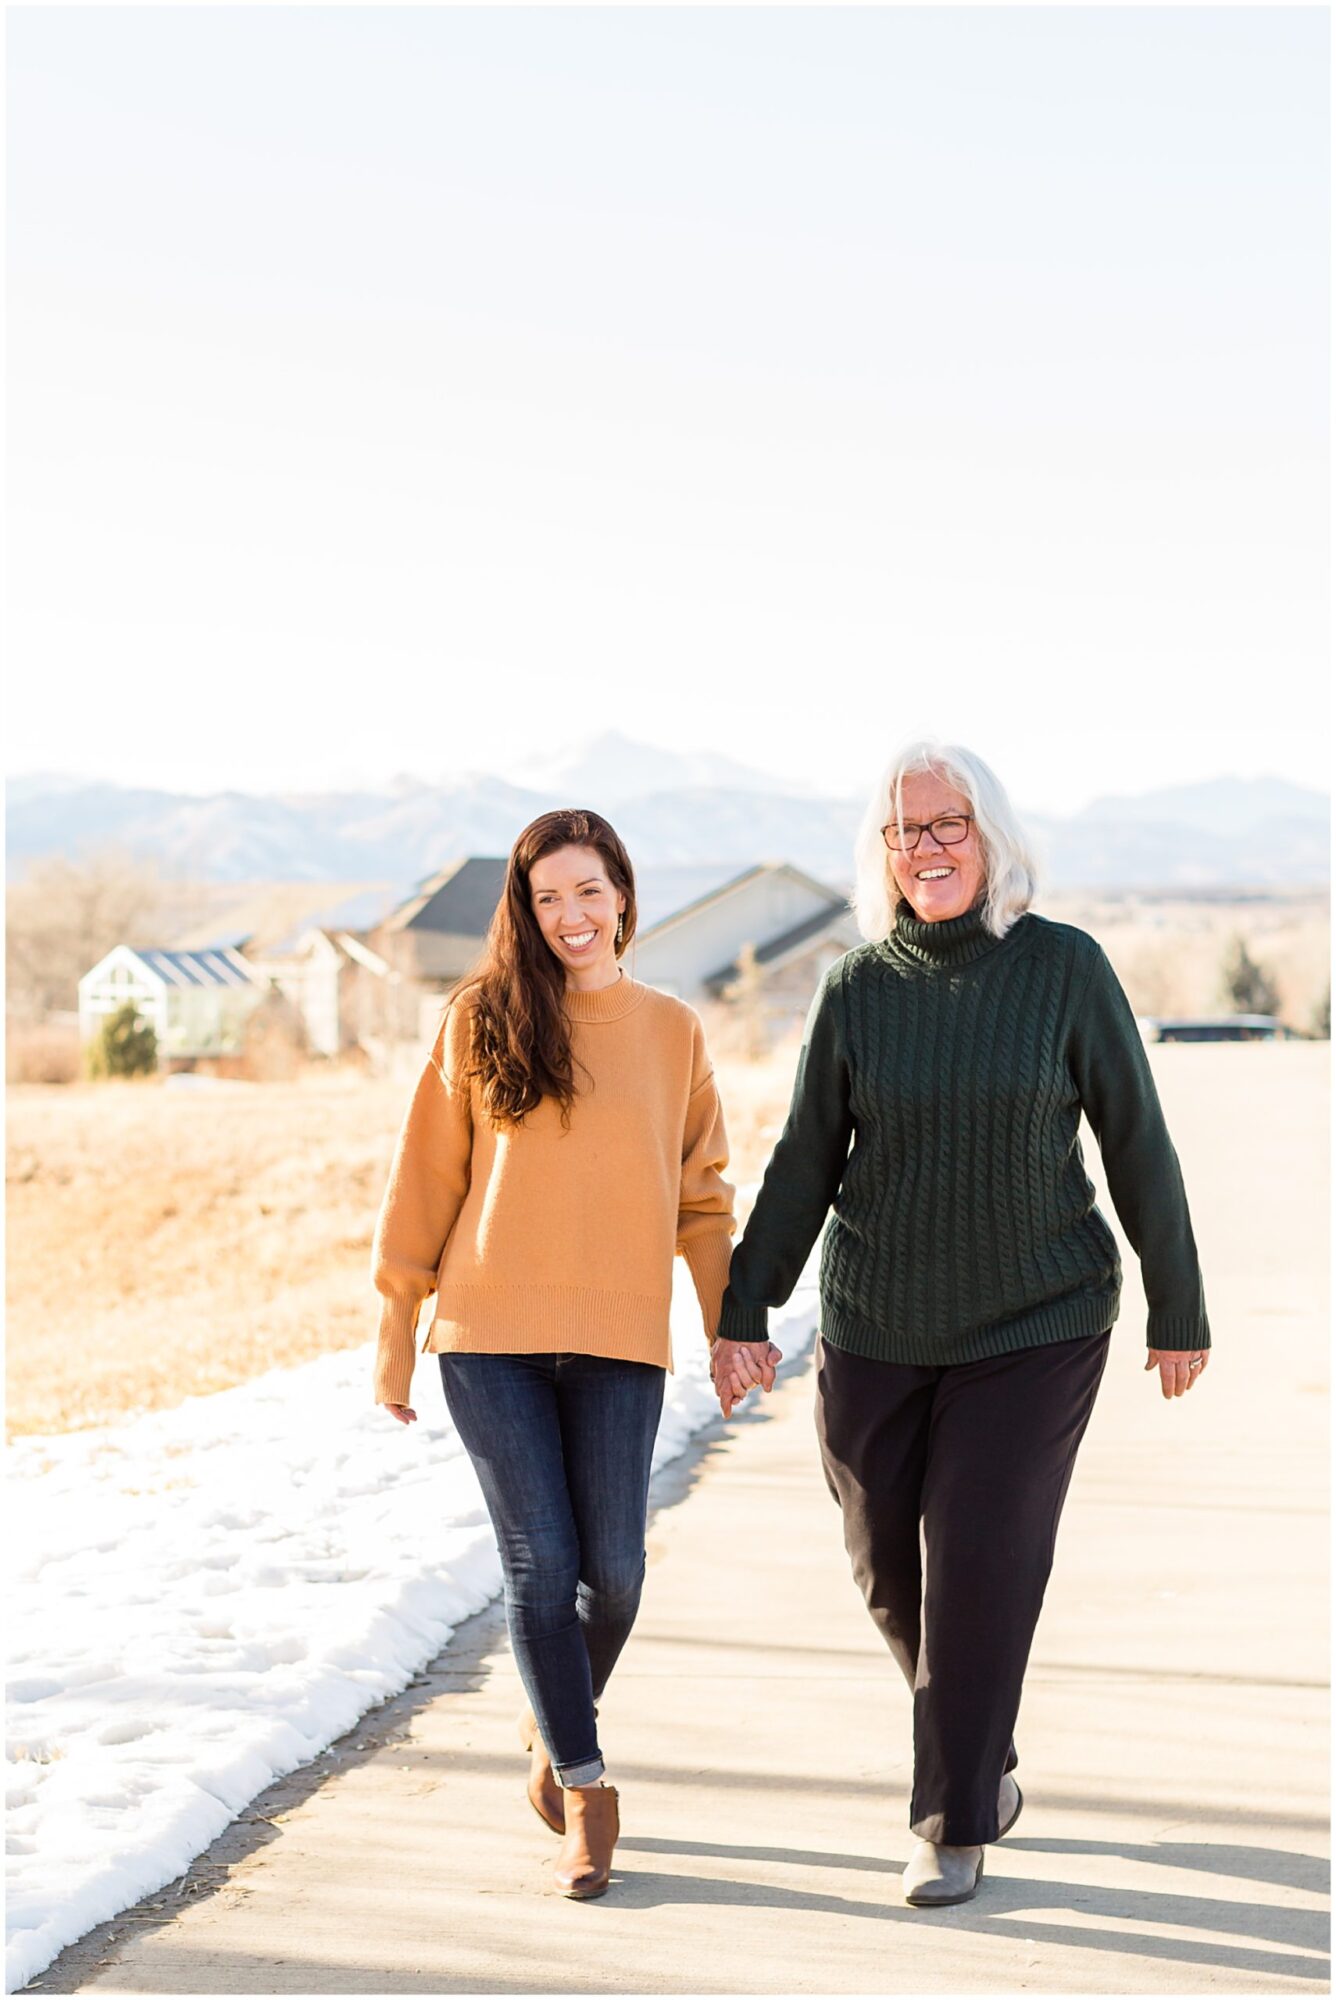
[345, 992]
[693, 924]
[197, 1002]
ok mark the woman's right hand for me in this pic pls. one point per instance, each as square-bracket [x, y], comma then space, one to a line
[401, 1412]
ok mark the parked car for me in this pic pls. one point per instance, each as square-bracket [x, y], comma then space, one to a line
[1224, 1028]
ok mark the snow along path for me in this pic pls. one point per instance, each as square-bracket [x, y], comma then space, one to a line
[207, 1597]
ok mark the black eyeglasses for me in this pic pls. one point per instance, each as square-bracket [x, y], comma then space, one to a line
[948, 831]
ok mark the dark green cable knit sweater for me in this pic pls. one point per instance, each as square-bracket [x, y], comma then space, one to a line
[964, 1225]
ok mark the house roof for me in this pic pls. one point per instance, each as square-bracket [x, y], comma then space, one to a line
[459, 900]
[345, 946]
[835, 919]
[197, 968]
[360, 953]
[270, 917]
[716, 883]
[665, 894]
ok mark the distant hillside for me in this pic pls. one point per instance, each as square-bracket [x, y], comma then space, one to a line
[1226, 807]
[1229, 833]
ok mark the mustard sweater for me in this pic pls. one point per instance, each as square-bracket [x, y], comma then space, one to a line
[538, 1239]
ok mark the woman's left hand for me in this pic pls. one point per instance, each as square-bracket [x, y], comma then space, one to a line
[1179, 1368]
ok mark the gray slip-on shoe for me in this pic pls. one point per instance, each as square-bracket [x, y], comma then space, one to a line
[938, 1875]
[1010, 1799]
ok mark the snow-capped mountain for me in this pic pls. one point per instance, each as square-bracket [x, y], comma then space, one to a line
[615, 769]
[669, 807]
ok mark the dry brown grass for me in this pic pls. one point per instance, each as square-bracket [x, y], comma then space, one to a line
[1169, 952]
[43, 1052]
[166, 1243]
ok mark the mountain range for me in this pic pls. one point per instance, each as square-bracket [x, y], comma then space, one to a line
[669, 807]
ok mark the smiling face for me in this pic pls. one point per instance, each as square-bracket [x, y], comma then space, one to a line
[577, 907]
[938, 882]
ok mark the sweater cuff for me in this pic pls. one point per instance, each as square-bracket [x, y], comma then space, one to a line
[739, 1322]
[396, 1351]
[708, 1258]
[1176, 1332]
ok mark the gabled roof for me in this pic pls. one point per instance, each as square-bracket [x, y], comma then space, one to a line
[360, 953]
[458, 901]
[345, 946]
[665, 894]
[196, 968]
[837, 918]
[269, 918]
[726, 881]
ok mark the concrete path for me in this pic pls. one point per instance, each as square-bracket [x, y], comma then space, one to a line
[1172, 1739]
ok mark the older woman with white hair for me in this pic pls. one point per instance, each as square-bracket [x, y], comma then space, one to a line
[968, 1280]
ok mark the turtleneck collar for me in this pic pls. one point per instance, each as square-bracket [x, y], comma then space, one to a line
[606, 1003]
[955, 941]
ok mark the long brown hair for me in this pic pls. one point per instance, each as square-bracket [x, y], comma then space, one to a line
[519, 1036]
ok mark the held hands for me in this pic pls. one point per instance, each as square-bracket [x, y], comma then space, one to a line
[736, 1368]
[1178, 1369]
[739, 1366]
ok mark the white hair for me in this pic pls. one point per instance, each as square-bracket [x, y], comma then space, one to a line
[1010, 869]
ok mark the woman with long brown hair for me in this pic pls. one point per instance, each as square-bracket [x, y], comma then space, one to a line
[564, 1140]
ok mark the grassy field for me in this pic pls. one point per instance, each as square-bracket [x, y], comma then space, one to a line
[166, 1242]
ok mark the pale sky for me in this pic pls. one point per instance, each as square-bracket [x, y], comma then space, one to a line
[421, 389]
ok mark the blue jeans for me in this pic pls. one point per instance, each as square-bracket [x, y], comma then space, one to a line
[562, 1444]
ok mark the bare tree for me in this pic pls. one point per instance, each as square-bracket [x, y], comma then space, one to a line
[746, 994]
[275, 1041]
[63, 915]
[1149, 980]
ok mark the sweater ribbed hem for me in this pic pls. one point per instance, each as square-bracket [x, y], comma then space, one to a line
[739, 1322]
[1176, 1332]
[1073, 1318]
[552, 1319]
[708, 1257]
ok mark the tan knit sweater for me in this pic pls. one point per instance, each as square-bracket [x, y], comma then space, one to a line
[538, 1239]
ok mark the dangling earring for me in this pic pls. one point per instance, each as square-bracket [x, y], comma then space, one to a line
[621, 925]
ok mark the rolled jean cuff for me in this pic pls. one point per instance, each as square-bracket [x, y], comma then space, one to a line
[588, 1773]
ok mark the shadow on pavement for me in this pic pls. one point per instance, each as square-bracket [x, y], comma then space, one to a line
[1276, 1865]
[1004, 1908]
[1250, 1864]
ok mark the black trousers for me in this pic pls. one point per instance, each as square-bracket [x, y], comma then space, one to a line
[980, 1457]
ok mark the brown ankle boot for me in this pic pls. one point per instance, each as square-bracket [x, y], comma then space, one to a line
[545, 1794]
[592, 1825]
